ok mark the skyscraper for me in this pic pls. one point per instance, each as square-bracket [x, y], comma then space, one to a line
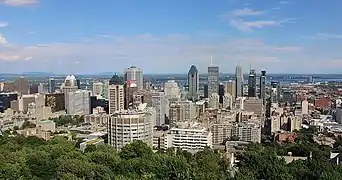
[97, 88]
[52, 85]
[239, 81]
[171, 89]
[21, 85]
[135, 75]
[263, 86]
[69, 85]
[116, 94]
[230, 88]
[193, 82]
[252, 83]
[213, 79]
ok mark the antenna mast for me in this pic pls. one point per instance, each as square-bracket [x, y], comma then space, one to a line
[211, 60]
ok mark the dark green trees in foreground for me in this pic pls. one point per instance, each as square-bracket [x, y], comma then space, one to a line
[32, 158]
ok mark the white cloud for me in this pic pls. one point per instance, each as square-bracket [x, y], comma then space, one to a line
[8, 57]
[250, 25]
[238, 19]
[19, 2]
[154, 54]
[2, 40]
[327, 36]
[3, 24]
[246, 12]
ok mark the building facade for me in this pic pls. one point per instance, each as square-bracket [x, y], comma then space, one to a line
[193, 82]
[135, 75]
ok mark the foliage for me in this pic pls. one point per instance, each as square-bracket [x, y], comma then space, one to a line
[27, 124]
[65, 120]
[34, 158]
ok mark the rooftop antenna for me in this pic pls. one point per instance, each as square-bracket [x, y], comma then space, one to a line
[211, 60]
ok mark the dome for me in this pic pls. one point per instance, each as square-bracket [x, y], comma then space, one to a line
[70, 80]
[116, 80]
[133, 85]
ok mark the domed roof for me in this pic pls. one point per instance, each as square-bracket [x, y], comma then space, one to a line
[116, 80]
[70, 77]
[133, 85]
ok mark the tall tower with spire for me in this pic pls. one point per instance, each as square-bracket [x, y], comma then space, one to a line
[213, 78]
[193, 82]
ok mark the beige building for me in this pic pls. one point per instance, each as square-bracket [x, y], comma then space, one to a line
[255, 105]
[116, 95]
[127, 126]
[230, 87]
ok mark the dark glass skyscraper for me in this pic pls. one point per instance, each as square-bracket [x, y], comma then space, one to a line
[52, 85]
[193, 82]
[263, 86]
[252, 83]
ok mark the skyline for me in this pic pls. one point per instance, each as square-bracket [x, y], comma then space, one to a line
[169, 36]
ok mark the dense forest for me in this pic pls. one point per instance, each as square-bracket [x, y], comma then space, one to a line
[32, 158]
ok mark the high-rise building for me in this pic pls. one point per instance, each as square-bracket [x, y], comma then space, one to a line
[135, 75]
[69, 85]
[130, 90]
[116, 94]
[52, 85]
[127, 126]
[227, 101]
[275, 92]
[21, 85]
[252, 83]
[213, 80]
[161, 105]
[78, 102]
[230, 88]
[98, 102]
[78, 83]
[205, 91]
[263, 86]
[239, 81]
[34, 88]
[214, 101]
[97, 88]
[5, 100]
[171, 89]
[56, 101]
[193, 82]
[221, 92]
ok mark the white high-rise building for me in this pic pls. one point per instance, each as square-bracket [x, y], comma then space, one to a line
[116, 95]
[126, 126]
[69, 85]
[227, 101]
[214, 102]
[171, 89]
[161, 104]
[97, 88]
[305, 107]
[135, 75]
[78, 102]
[189, 139]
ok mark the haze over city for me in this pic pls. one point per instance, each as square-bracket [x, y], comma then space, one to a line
[168, 36]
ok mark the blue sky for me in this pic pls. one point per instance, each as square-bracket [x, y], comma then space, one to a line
[163, 36]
